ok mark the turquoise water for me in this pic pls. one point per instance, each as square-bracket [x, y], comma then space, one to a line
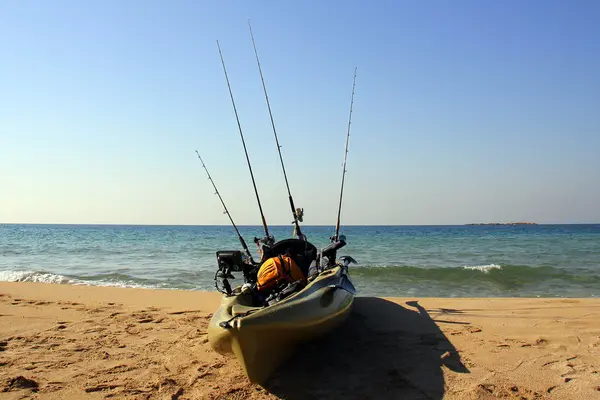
[440, 261]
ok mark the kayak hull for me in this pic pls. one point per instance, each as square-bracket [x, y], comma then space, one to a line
[261, 338]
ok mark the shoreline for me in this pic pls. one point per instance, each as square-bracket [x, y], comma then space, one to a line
[60, 340]
[93, 284]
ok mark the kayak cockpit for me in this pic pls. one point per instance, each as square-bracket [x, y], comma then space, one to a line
[300, 254]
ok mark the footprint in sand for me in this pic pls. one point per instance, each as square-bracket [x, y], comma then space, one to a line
[181, 312]
[20, 382]
[143, 317]
[70, 303]
[550, 389]
[570, 364]
[549, 363]
[217, 365]
[132, 329]
[119, 369]
[100, 388]
[193, 318]
[508, 391]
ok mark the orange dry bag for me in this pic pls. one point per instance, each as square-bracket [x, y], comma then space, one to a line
[279, 269]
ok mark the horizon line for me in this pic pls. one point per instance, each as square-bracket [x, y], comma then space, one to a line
[306, 225]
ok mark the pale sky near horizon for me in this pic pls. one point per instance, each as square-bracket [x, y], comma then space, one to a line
[464, 111]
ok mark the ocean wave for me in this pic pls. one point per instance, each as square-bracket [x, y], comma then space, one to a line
[116, 280]
[34, 276]
[483, 268]
[505, 276]
[487, 278]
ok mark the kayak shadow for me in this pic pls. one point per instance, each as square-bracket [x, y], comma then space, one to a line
[383, 350]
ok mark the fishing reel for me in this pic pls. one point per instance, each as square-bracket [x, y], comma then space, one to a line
[299, 214]
[298, 217]
[264, 245]
[267, 240]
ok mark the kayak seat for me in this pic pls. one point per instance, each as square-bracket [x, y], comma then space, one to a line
[303, 252]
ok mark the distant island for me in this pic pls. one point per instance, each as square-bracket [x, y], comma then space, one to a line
[503, 224]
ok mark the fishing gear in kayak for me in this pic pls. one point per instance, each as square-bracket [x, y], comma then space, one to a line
[338, 241]
[268, 239]
[334, 238]
[230, 260]
[298, 213]
[293, 293]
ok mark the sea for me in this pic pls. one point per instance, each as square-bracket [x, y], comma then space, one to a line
[392, 261]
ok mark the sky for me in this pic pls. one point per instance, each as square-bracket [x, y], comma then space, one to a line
[464, 111]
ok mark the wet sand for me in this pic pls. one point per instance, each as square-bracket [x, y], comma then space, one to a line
[80, 342]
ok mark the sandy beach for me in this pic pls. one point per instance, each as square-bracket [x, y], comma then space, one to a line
[80, 342]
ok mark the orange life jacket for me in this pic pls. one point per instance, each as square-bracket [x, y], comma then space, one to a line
[276, 270]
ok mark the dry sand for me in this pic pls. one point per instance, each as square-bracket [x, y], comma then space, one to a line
[72, 342]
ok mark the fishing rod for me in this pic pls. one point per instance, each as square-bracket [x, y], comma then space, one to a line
[268, 238]
[297, 213]
[337, 225]
[242, 241]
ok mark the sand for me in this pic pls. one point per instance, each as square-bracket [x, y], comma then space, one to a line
[81, 342]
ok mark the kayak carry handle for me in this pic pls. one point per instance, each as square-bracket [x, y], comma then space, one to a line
[344, 284]
[347, 260]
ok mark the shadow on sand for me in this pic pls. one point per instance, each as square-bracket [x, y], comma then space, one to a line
[383, 351]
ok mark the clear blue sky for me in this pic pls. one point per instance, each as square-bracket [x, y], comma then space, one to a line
[465, 111]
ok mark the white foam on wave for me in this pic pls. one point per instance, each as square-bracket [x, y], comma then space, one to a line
[483, 268]
[33, 276]
[46, 277]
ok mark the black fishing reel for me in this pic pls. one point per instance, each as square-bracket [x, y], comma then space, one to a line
[264, 246]
[267, 240]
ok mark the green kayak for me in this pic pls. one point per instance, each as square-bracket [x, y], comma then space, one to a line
[262, 337]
